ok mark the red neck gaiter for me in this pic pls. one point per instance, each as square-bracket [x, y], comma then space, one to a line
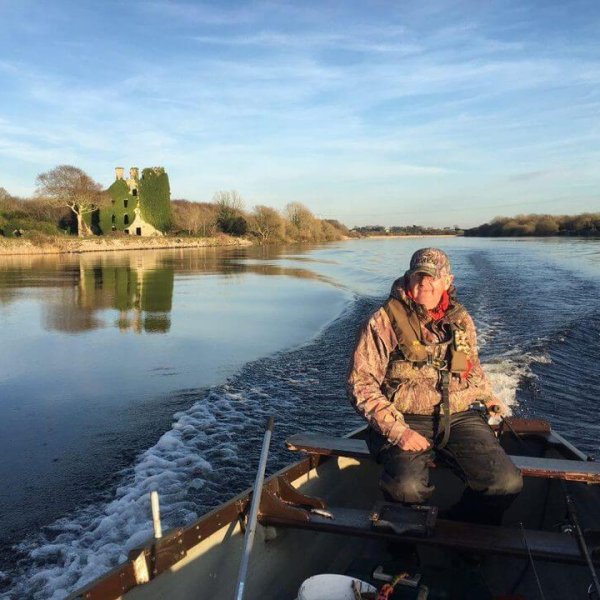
[440, 310]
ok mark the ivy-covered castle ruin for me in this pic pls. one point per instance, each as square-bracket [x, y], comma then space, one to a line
[139, 205]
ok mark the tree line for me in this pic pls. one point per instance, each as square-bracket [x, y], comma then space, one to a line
[226, 214]
[394, 230]
[586, 224]
[65, 195]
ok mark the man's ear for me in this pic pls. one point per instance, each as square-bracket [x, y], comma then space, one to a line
[449, 281]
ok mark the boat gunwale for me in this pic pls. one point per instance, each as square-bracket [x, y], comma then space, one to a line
[174, 545]
[178, 540]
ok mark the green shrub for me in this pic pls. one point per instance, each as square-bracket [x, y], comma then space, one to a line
[19, 220]
[233, 225]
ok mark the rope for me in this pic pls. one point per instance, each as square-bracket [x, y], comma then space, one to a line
[387, 589]
[537, 578]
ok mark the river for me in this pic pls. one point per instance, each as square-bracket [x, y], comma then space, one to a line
[126, 372]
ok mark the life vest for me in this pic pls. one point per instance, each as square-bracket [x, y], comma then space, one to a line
[451, 353]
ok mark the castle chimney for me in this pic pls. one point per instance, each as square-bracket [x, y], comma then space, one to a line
[119, 172]
[133, 173]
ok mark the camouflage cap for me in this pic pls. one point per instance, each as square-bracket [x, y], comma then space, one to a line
[432, 261]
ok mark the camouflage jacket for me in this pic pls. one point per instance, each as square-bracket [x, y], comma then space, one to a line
[416, 389]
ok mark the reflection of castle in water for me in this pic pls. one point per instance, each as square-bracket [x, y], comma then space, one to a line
[78, 291]
[139, 288]
[142, 292]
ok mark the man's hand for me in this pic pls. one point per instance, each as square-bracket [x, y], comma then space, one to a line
[497, 408]
[411, 441]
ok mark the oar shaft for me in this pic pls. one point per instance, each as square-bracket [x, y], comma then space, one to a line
[574, 518]
[252, 517]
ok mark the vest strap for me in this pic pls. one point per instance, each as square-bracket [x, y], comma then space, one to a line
[446, 405]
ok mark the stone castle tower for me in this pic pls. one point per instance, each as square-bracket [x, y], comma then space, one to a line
[132, 182]
[127, 206]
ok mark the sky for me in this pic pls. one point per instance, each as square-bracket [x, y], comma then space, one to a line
[437, 113]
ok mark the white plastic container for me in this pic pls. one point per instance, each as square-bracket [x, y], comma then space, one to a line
[331, 587]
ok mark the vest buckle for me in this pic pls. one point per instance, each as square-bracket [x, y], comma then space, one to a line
[437, 363]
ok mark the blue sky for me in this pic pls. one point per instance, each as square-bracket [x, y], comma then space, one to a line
[436, 113]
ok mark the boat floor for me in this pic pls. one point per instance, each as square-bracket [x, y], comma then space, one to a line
[448, 573]
[483, 572]
[285, 555]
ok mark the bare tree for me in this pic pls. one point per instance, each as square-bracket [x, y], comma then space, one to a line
[195, 217]
[547, 225]
[267, 224]
[72, 187]
[8, 202]
[229, 203]
[298, 214]
[205, 220]
[304, 226]
[340, 227]
[230, 217]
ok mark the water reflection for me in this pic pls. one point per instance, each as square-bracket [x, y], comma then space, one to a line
[85, 387]
[19, 273]
[138, 288]
[80, 292]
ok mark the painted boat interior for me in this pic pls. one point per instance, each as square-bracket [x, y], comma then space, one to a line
[284, 556]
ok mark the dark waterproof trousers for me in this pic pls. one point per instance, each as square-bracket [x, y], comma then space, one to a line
[473, 452]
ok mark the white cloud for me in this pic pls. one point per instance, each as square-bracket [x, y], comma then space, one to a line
[294, 98]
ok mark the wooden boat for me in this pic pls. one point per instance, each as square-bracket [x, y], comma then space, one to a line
[538, 552]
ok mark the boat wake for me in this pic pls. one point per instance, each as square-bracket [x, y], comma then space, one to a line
[211, 453]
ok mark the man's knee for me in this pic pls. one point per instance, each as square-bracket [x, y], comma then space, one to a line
[506, 482]
[409, 490]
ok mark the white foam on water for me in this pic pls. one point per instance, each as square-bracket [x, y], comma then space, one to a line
[542, 359]
[86, 544]
[506, 372]
[78, 548]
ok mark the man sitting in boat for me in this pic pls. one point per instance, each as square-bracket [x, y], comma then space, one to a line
[415, 377]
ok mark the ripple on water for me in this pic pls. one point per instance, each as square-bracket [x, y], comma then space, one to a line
[541, 362]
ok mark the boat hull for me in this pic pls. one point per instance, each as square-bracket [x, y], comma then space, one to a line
[202, 560]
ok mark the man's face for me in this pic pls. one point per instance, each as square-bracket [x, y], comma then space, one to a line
[427, 290]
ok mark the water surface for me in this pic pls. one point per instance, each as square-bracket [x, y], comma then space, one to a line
[130, 372]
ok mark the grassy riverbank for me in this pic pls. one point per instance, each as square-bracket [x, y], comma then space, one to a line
[74, 245]
[71, 245]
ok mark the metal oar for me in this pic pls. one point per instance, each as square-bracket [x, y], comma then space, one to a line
[252, 517]
[573, 517]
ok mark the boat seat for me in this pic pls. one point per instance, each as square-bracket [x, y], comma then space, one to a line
[531, 466]
[491, 539]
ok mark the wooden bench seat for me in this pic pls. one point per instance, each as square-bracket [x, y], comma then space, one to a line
[462, 536]
[569, 470]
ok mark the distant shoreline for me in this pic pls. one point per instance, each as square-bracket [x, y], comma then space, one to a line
[417, 235]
